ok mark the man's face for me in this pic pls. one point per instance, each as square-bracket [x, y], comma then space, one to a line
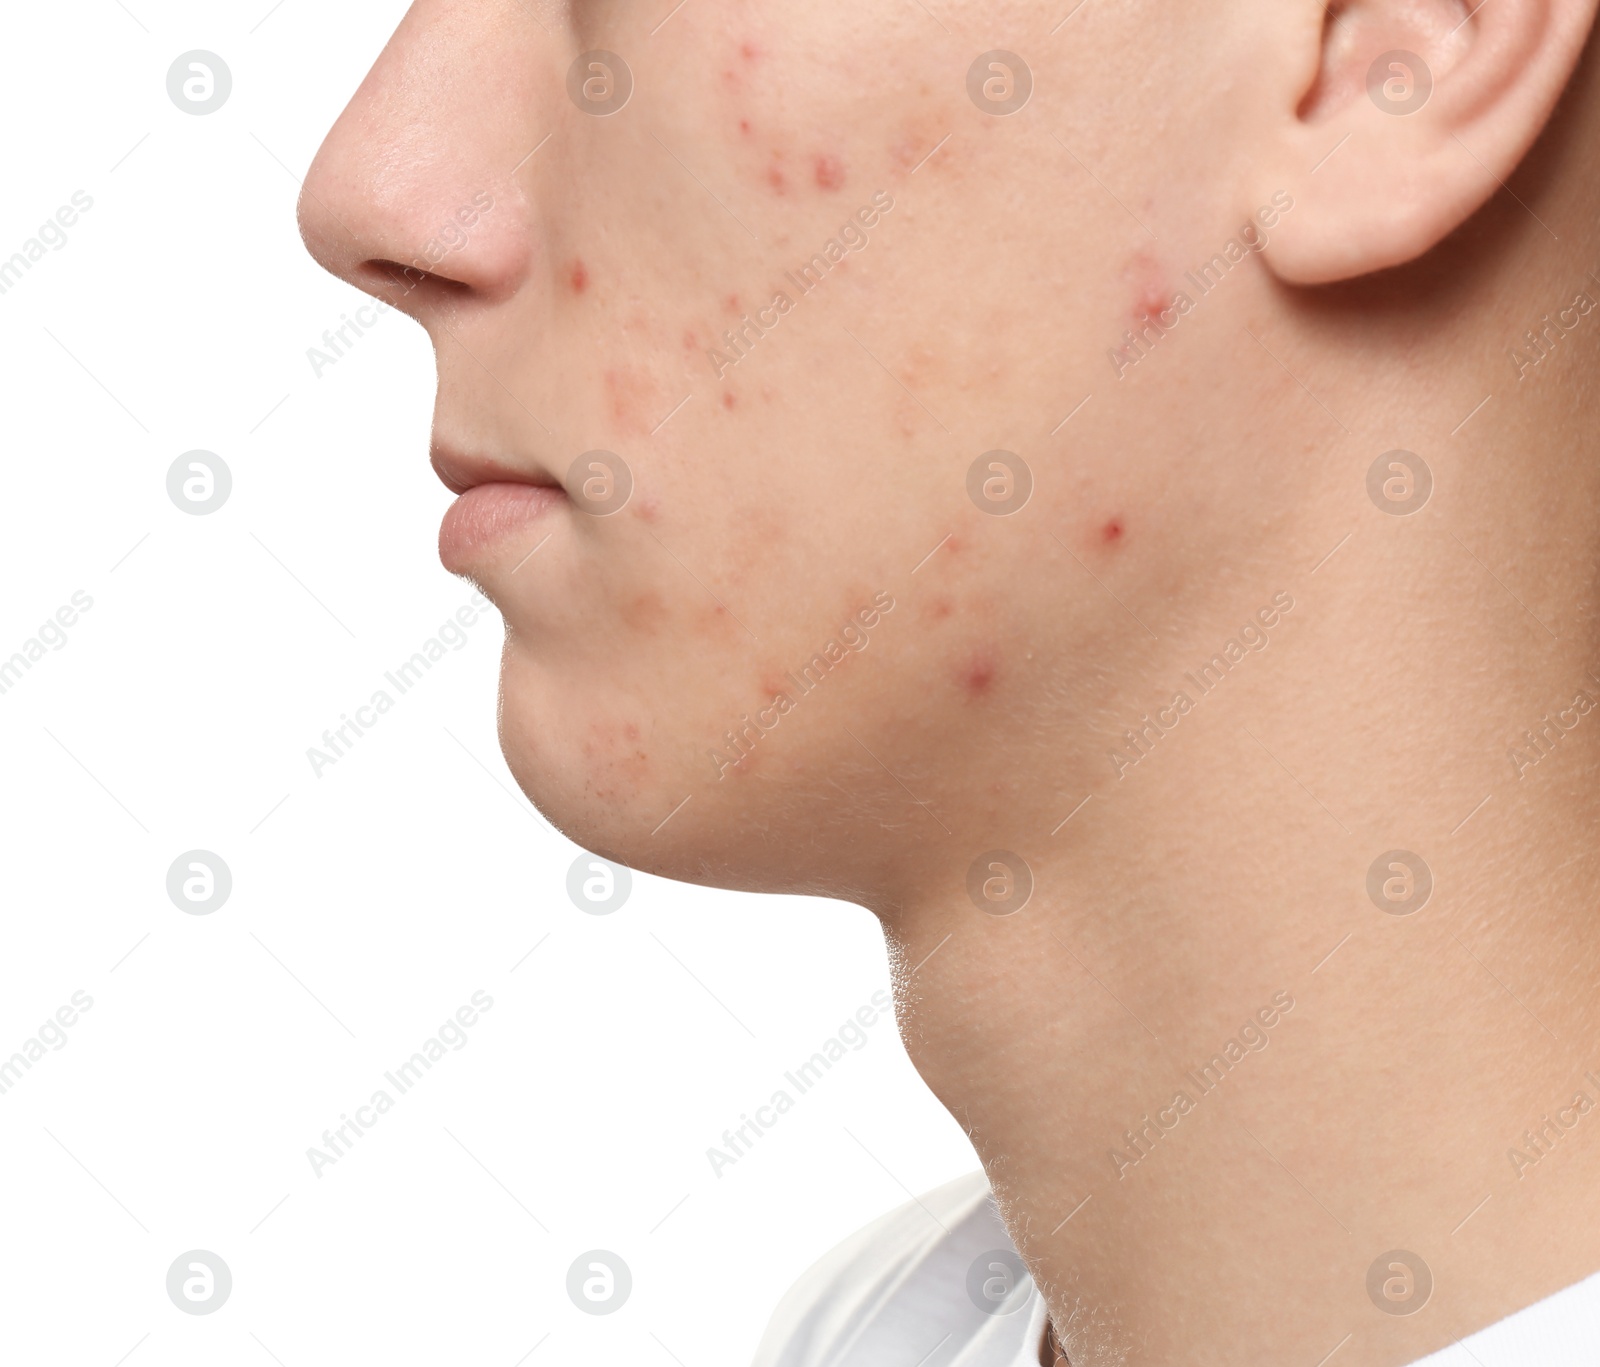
[820, 262]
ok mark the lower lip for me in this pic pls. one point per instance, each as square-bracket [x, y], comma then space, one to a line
[487, 518]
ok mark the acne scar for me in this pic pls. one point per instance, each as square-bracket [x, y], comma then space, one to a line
[645, 612]
[775, 179]
[829, 171]
[578, 277]
[629, 390]
[716, 622]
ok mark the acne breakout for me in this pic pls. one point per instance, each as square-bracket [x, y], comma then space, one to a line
[1251, 238]
[851, 639]
[851, 237]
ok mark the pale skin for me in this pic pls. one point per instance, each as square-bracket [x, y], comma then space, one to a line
[1223, 861]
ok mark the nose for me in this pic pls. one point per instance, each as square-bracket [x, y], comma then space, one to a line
[416, 195]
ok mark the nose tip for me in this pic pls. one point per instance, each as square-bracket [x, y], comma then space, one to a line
[412, 196]
[416, 238]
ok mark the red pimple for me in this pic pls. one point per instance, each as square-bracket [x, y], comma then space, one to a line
[689, 343]
[578, 277]
[977, 674]
[731, 303]
[744, 126]
[1112, 531]
[829, 172]
[749, 51]
[1151, 304]
[1151, 290]
[728, 401]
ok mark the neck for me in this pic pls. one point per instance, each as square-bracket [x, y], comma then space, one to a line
[1212, 1077]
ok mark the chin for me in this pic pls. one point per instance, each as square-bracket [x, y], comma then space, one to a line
[630, 781]
[595, 770]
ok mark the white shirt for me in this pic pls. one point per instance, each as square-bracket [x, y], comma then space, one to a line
[937, 1283]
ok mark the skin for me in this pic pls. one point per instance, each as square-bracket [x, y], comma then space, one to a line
[1177, 890]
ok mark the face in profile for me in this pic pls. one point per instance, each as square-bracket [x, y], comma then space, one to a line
[832, 409]
[888, 430]
[778, 371]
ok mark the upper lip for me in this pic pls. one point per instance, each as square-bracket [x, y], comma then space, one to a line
[461, 471]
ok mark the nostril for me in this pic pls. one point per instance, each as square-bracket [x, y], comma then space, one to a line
[381, 275]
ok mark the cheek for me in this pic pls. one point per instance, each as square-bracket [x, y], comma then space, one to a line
[616, 760]
[827, 171]
[646, 613]
[632, 398]
[976, 672]
[1149, 289]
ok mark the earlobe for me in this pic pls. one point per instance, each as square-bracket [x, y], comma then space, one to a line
[1417, 113]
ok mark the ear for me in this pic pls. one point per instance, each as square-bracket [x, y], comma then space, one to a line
[1399, 118]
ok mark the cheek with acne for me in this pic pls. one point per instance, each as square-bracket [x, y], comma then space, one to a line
[976, 674]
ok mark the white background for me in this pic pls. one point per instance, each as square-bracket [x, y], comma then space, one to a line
[372, 901]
